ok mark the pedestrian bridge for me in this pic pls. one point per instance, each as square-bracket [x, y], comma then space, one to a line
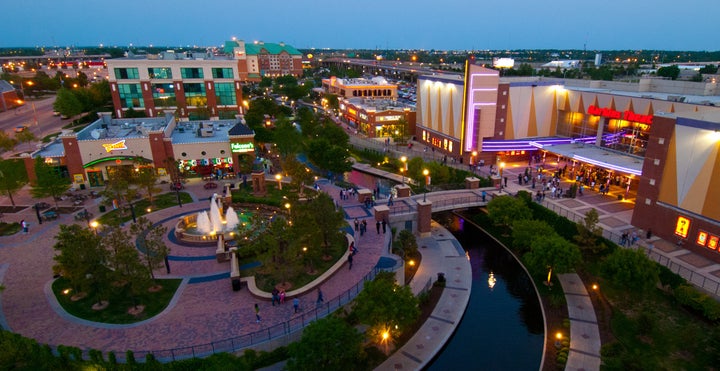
[440, 201]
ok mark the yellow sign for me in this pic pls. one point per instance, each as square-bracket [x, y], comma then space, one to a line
[713, 242]
[682, 226]
[115, 146]
[78, 178]
[702, 238]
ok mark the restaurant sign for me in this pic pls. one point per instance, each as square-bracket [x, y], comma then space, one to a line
[241, 147]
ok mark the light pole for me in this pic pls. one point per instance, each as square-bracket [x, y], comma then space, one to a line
[278, 177]
[426, 172]
[32, 104]
[502, 166]
[94, 225]
[132, 212]
[403, 159]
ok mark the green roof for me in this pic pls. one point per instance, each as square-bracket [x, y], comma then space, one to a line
[255, 49]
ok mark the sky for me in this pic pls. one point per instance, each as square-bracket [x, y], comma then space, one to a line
[369, 24]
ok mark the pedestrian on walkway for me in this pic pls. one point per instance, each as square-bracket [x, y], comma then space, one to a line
[377, 226]
[384, 225]
[357, 224]
[296, 304]
[275, 296]
[484, 196]
[350, 260]
[320, 298]
[282, 296]
[25, 226]
[257, 313]
[505, 182]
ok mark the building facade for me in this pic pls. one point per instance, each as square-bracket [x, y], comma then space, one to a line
[379, 118]
[204, 148]
[375, 88]
[661, 147]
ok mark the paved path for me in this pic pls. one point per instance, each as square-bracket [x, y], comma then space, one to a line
[201, 313]
[584, 333]
[440, 253]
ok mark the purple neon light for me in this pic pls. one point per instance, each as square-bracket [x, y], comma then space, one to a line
[471, 117]
[609, 166]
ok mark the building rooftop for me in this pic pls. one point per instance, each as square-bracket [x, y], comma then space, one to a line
[5, 86]
[363, 82]
[379, 104]
[109, 128]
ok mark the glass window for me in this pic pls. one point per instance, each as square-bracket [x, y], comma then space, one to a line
[225, 92]
[164, 95]
[195, 94]
[130, 96]
[191, 73]
[126, 73]
[222, 73]
[160, 73]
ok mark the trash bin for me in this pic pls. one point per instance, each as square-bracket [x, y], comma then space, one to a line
[441, 277]
[236, 284]
[102, 208]
[82, 186]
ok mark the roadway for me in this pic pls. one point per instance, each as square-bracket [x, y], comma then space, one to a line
[25, 116]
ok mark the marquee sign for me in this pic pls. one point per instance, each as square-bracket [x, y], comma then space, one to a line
[241, 147]
[617, 115]
[117, 146]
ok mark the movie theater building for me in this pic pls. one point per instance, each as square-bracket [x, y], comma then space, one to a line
[378, 118]
[203, 148]
[658, 143]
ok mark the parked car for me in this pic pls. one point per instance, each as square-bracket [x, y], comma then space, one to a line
[21, 128]
[210, 185]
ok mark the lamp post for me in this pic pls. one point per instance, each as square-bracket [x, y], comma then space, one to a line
[32, 104]
[132, 212]
[426, 172]
[403, 159]
[94, 225]
[278, 177]
[177, 193]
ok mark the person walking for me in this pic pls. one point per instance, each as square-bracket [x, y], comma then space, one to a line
[24, 226]
[350, 260]
[296, 304]
[377, 226]
[282, 296]
[257, 313]
[357, 224]
[384, 226]
[320, 298]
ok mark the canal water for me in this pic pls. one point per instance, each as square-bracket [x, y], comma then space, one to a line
[502, 328]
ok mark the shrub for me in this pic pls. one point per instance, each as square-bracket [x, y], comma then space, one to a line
[130, 357]
[112, 359]
[96, 356]
[668, 278]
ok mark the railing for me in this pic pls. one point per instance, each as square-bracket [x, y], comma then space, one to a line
[310, 313]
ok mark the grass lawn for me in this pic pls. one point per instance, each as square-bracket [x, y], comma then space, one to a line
[120, 301]
[161, 201]
[9, 229]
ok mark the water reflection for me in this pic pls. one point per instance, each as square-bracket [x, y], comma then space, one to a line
[503, 327]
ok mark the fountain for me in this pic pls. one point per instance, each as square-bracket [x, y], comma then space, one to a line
[206, 227]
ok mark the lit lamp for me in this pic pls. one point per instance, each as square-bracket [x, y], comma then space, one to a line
[403, 159]
[278, 177]
[94, 225]
[472, 158]
[426, 172]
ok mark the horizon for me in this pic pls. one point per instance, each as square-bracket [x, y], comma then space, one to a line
[372, 25]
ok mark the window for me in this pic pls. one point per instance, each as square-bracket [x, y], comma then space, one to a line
[160, 73]
[130, 96]
[126, 73]
[225, 93]
[656, 161]
[652, 181]
[661, 140]
[222, 73]
[195, 94]
[191, 73]
[164, 95]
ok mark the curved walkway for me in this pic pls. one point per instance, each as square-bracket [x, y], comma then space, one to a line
[206, 311]
[584, 332]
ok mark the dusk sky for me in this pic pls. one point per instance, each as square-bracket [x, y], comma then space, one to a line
[369, 24]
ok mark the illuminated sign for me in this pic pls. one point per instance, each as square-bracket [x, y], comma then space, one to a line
[617, 115]
[363, 116]
[352, 111]
[117, 146]
[702, 238]
[389, 118]
[682, 226]
[241, 147]
[713, 242]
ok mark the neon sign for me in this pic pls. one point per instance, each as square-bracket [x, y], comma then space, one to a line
[617, 115]
[117, 146]
[682, 226]
[241, 147]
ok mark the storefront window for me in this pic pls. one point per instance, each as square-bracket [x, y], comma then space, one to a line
[130, 96]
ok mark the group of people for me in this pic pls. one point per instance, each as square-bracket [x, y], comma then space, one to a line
[360, 226]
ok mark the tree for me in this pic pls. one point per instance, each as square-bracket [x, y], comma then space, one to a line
[150, 241]
[146, 179]
[589, 231]
[553, 252]
[10, 180]
[125, 260]
[504, 210]
[327, 344]
[298, 172]
[287, 138]
[25, 136]
[328, 221]
[383, 305]
[526, 231]
[50, 181]
[6, 142]
[630, 269]
[80, 257]
[670, 71]
[406, 243]
[117, 186]
[278, 248]
[67, 103]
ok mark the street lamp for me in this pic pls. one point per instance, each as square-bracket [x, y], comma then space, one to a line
[472, 158]
[278, 177]
[94, 225]
[132, 212]
[426, 172]
[403, 159]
